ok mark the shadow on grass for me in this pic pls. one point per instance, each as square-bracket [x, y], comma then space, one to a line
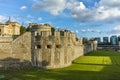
[77, 71]
[63, 75]
[92, 64]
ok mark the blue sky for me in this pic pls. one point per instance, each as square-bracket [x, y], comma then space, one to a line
[87, 18]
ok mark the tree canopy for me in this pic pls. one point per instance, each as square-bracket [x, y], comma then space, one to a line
[22, 30]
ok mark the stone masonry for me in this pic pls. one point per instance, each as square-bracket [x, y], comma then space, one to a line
[42, 48]
[55, 49]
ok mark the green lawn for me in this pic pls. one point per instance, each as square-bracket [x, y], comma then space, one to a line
[97, 65]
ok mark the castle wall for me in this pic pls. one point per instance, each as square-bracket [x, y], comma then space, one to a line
[21, 47]
[55, 51]
[17, 52]
[6, 39]
[5, 47]
[5, 50]
[88, 48]
[92, 46]
[42, 49]
[78, 51]
[1, 29]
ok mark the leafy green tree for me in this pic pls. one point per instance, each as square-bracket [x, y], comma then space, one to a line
[22, 30]
[52, 29]
[28, 28]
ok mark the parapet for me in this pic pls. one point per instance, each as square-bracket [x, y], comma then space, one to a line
[63, 33]
[44, 30]
[39, 27]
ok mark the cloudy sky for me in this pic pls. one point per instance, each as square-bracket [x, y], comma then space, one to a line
[87, 18]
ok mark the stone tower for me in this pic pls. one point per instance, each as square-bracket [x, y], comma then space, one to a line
[53, 49]
[39, 34]
[95, 45]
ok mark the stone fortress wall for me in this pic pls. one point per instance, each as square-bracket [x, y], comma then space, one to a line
[91, 46]
[15, 52]
[21, 47]
[42, 48]
[56, 49]
[5, 46]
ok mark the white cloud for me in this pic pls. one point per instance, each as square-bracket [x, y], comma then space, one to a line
[76, 31]
[40, 18]
[76, 8]
[111, 3]
[27, 22]
[3, 18]
[88, 30]
[107, 11]
[29, 16]
[54, 7]
[98, 31]
[91, 30]
[23, 8]
[115, 30]
[76, 5]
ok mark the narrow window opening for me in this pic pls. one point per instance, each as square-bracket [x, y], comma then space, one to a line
[49, 46]
[69, 45]
[38, 46]
[62, 33]
[37, 34]
[58, 46]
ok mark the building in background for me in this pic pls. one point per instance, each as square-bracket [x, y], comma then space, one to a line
[9, 28]
[98, 40]
[105, 40]
[85, 40]
[114, 40]
[118, 38]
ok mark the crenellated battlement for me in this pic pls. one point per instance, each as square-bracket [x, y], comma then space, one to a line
[42, 47]
[55, 49]
[44, 30]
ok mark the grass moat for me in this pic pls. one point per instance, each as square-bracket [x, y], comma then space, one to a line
[97, 65]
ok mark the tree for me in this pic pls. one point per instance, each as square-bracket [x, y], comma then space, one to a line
[22, 30]
[28, 28]
[52, 29]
